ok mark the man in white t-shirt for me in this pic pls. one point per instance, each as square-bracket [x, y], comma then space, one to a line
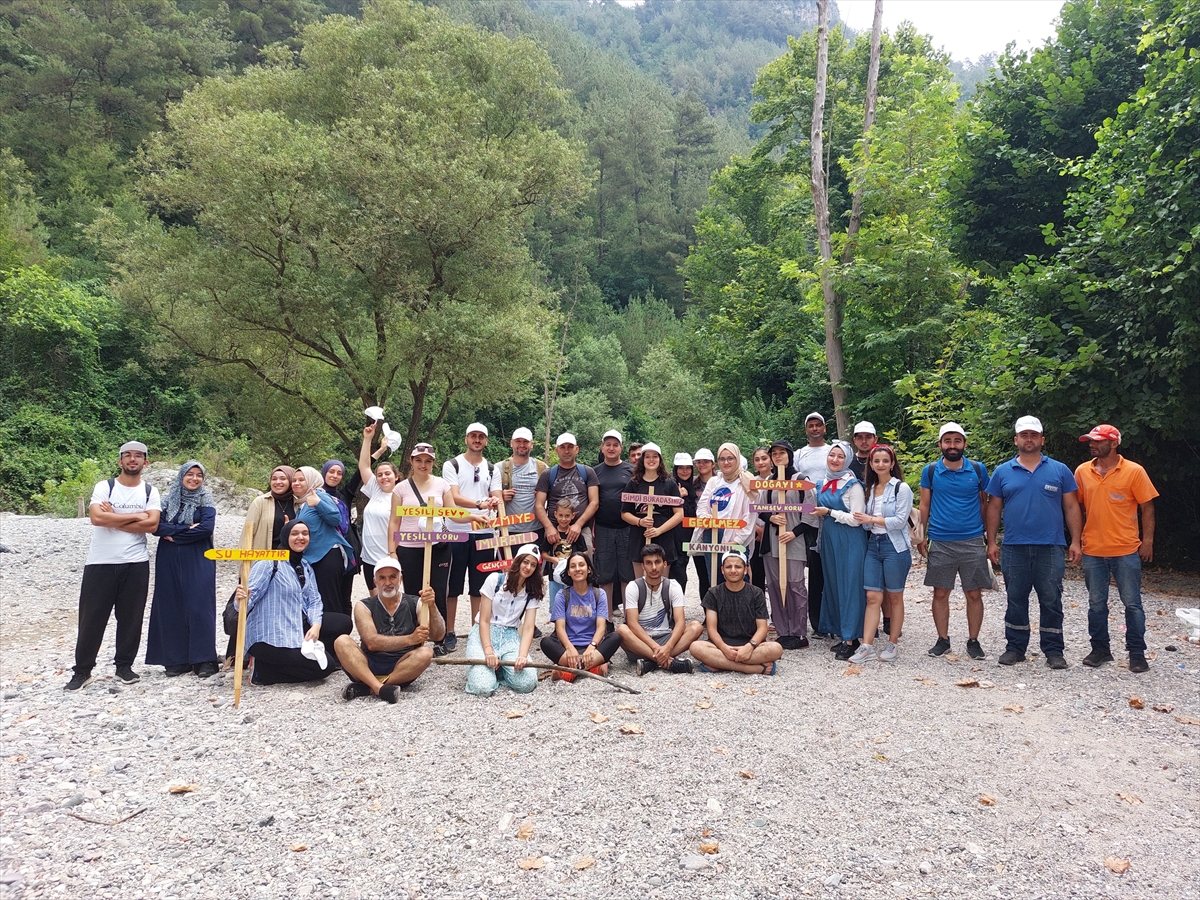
[515, 480]
[470, 478]
[116, 576]
[655, 632]
[810, 465]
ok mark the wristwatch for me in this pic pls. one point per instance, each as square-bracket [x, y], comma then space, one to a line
[753, 643]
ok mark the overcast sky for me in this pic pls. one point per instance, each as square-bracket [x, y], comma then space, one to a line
[966, 29]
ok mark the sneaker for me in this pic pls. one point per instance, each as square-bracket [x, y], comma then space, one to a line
[889, 652]
[1011, 658]
[390, 693]
[941, 647]
[126, 675]
[836, 646]
[847, 651]
[537, 632]
[206, 669]
[1097, 658]
[1137, 663]
[176, 671]
[974, 650]
[354, 690]
[568, 677]
[802, 644]
[439, 649]
[1056, 662]
[644, 667]
[78, 681]
[685, 667]
[450, 642]
[788, 642]
[865, 653]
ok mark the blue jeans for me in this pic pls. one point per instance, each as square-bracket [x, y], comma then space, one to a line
[1127, 570]
[885, 568]
[1033, 567]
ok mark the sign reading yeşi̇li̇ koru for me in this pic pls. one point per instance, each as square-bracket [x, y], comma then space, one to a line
[432, 537]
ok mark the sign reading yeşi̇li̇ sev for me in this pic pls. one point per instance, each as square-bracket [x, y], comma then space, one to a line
[691, 522]
[653, 499]
[237, 555]
[441, 512]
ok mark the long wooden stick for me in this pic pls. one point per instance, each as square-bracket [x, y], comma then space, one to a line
[423, 609]
[650, 510]
[458, 661]
[782, 545]
[239, 651]
[506, 550]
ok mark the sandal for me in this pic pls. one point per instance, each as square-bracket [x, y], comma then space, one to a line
[771, 671]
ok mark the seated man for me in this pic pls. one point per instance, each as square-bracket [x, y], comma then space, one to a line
[736, 616]
[655, 633]
[393, 649]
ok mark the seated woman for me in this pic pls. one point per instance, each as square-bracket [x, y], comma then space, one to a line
[280, 598]
[503, 629]
[330, 553]
[580, 616]
[183, 617]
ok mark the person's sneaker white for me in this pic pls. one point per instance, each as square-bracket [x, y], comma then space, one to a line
[865, 653]
[889, 652]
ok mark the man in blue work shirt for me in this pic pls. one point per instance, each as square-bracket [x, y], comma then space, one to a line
[1037, 495]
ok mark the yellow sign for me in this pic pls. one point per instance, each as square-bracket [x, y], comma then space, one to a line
[444, 512]
[245, 555]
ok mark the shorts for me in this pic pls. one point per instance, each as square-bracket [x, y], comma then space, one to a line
[464, 557]
[659, 639]
[383, 663]
[966, 559]
[884, 567]
[611, 555]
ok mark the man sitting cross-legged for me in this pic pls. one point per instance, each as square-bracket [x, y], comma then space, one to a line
[735, 614]
[655, 633]
[393, 651]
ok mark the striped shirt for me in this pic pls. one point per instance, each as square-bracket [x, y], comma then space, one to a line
[278, 604]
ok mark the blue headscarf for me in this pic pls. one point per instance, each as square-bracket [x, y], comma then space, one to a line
[180, 504]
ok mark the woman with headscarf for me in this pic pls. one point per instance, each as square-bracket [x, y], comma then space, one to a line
[183, 617]
[503, 630]
[760, 459]
[644, 528]
[843, 547]
[330, 553]
[727, 496]
[783, 530]
[269, 512]
[342, 490]
[682, 471]
[288, 632]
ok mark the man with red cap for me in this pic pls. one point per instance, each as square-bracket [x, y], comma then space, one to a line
[1111, 491]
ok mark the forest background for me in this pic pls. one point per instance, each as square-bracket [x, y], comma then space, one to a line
[227, 226]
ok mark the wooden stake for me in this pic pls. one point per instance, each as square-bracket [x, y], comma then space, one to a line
[650, 510]
[506, 550]
[782, 545]
[239, 651]
[423, 609]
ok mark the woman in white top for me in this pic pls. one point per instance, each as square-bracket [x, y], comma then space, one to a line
[727, 496]
[843, 546]
[504, 629]
[377, 487]
[889, 550]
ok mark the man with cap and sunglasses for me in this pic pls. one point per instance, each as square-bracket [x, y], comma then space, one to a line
[611, 540]
[116, 576]
[1037, 496]
[809, 462]
[1111, 491]
[470, 478]
[952, 507]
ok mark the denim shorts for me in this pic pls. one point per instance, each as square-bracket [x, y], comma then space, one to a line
[885, 568]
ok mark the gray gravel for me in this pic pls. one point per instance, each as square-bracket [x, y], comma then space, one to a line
[891, 783]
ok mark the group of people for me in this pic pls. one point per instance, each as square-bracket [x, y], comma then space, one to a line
[847, 542]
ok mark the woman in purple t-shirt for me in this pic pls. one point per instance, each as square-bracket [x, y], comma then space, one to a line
[581, 638]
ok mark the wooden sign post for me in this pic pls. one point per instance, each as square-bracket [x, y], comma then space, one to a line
[782, 485]
[650, 500]
[246, 556]
[429, 537]
[782, 548]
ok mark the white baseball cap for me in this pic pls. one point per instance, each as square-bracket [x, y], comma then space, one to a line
[814, 415]
[950, 428]
[653, 447]
[386, 563]
[566, 438]
[522, 434]
[733, 554]
[477, 426]
[705, 453]
[529, 550]
[682, 459]
[134, 447]
[1028, 423]
[613, 433]
[864, 428]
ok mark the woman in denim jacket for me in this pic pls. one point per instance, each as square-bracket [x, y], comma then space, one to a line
[889, 551]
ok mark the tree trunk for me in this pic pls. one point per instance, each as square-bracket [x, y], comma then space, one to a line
[834, 357]
[868, 124]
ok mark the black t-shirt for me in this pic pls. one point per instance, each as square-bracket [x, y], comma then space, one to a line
[560, 549]
[737, 612]
[858, 465]
[569, 484]
[663, 487]
[612, 481]
[400, 624]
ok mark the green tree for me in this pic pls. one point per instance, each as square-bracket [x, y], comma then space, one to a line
[356, 217]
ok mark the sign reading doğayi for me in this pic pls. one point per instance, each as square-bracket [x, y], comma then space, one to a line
[765, 484]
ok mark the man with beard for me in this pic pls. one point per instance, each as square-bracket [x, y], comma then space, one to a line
[393, 651]
[863, 440]
[1111, 491]
[116, 576]
[1038, 498]
[953, 501]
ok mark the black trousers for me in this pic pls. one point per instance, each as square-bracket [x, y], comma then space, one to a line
[287, 665]
[329, 570]
[816, 576]
[554, 649]
[412, 567]
[118, 588]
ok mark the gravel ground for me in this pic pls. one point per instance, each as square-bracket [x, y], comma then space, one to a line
[895, 782]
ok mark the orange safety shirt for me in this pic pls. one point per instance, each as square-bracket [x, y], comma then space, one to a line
[1110, 503]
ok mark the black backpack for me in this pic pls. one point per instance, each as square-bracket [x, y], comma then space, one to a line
[644, 593]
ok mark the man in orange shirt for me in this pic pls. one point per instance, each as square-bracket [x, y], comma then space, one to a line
[1111, 490]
